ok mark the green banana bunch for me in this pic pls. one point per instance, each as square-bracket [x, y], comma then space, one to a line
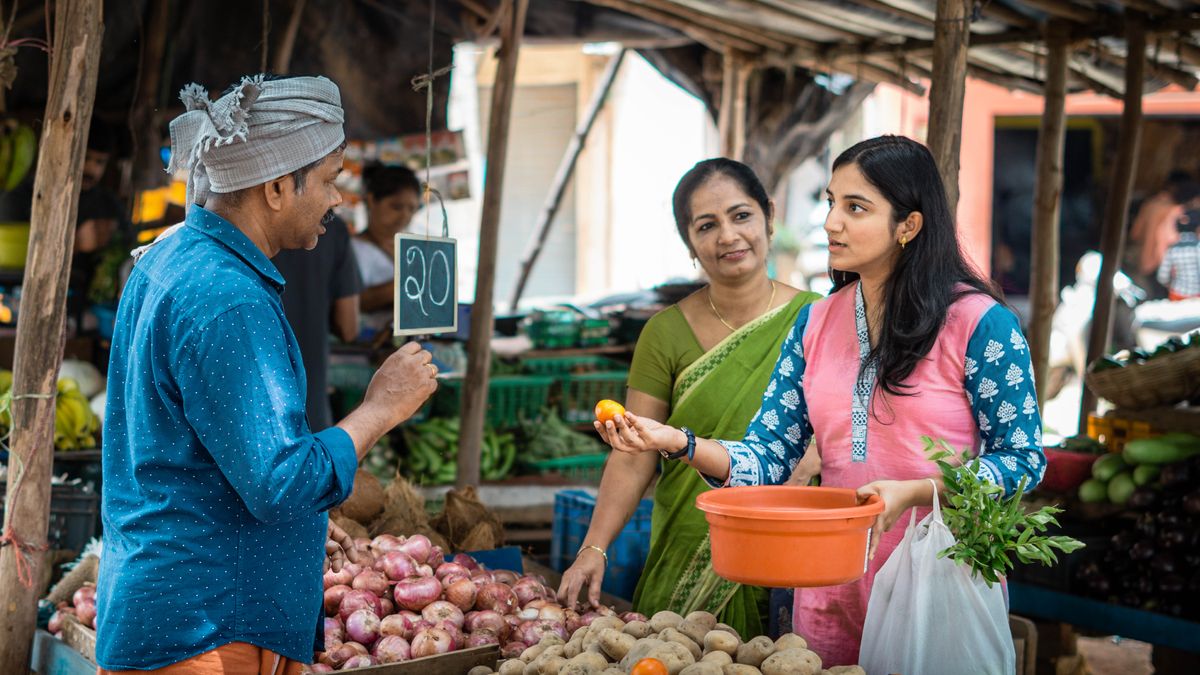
[18, 150]
[75, 425]
[433, 452]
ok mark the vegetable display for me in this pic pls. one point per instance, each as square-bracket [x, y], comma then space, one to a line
[76, 427]
[1138, 356]
[433, 452]
[1119, 478]
[990, 529]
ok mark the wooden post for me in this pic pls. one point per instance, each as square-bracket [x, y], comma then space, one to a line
[566, 168]
[1112, 237]
[144, 127]
[283, 53]
[479, 348]
[946, 91]
[731, 119]
[1047, 199]
[74, 63]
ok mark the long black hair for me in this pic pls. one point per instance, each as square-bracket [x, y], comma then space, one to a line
[931, 271]
[744, 176]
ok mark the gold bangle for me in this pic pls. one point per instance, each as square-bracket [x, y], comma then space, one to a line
[594, 548]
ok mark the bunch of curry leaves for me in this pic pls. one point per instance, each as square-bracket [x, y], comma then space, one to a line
[991, 529]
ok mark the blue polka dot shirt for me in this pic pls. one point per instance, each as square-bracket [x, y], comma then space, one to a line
[215, 489]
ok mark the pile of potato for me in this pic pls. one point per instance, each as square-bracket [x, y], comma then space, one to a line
[695, 645]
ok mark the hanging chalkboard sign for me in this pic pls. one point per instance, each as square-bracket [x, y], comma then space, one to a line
[426, 285]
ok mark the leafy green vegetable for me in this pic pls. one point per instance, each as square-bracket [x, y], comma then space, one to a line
[990, 529]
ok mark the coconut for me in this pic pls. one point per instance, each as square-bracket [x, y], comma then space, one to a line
[366, 500]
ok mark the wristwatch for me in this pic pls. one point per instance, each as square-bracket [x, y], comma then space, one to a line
[688, 450]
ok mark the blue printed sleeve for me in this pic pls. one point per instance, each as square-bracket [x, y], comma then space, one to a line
[999, 385]
[779, 432]
[241, 396]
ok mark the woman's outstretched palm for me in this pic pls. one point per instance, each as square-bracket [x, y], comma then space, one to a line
[633, 434]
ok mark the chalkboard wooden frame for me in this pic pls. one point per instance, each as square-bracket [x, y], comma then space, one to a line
[398, 318]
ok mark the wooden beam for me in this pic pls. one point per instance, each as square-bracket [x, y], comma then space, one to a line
[1155, 68]
[283, 53]
[479, 348]
[785, 16]
[712, 39]
[74, 64]
[1188, 53]
[1047, 201]
[710, 22]
[731, 121]
[1063, 9]
[562, 177]
[947, 90]
[144, 117]
[918, 14]
[1112, 237]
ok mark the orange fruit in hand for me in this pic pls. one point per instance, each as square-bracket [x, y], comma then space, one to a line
[606, 410]
[649, 666]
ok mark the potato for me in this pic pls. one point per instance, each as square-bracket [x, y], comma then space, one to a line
[792, 662]
[573, 648]
[603, 622]
[612, 670]
[638, 629]
[555, 650]
[512, 667]
[615, 643]
[672, 635]
[702, 668]
[580, 633]
[586, 663]
[696, 630]
[728, 629]
[641, 649]
[591, 639]
[739, 669]
[531, 653]
[754, 652]
[847, 670]
[480, 670]
[674, 656]
[665, 619]
[719, 640]
[546, 664]
[705, 619]
[718, 657]
[790, 641]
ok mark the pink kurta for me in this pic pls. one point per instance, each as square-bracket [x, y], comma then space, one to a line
[831, 618]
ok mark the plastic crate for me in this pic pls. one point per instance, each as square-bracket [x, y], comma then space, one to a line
[510, 398]
[1114, 432]
[581, 468]
[568, 365]
[627, 553]
[74, 516]
[581, 392]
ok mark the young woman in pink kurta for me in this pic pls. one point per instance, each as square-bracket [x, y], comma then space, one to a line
[911, 343]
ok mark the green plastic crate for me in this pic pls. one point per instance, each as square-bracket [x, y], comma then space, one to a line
[568, 365]
[580, 393]
[581, 468]
[511, 398]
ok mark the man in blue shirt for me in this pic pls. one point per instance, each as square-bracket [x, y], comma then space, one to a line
[215, 487]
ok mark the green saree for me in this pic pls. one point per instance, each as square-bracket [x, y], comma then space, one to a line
[715, 396]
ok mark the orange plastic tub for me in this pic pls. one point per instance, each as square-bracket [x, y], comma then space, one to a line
[783, 536]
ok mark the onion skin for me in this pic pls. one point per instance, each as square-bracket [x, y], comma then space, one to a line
[353, 568]
[402, 624]
[359, 599]
[415, 594]
[573, 620]
[505, 577]
[85, 593]
[512, 650]
[386, 542]
[446, 569]
[392, 649]
[466, 561]
[436, 556]
[387, 606]
[431, 641]
[360, 661]
[629, 617]
[342, 578]
[338, 656]
[496, 597]
[461, 592]
[419, 547]
[397, 565]
[532, 632]
[481, 638]
[527, 590]
[321, 668]
[440, 610]
[334, 626]
[56, 622]
[86, 613]
[333, 598]
[371, 580]
[363, 627]
[487, 621]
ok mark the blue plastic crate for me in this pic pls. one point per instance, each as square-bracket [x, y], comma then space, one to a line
[626, 555]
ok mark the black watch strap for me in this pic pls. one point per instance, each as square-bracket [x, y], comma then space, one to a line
[687, 450]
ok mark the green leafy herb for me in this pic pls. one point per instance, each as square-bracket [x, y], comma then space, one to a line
[989, 528]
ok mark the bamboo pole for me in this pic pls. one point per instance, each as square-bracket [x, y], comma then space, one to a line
[1112, 238]
[731, 122]
[479, 348]
[74, 64]
[562, 177]
[1047, 200]
[947, 90]
[283, 53]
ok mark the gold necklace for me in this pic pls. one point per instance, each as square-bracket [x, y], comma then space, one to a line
[770, 302]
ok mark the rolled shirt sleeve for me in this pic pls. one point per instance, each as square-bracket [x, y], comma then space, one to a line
[778, 434]
[1000, 387]
[242, 395]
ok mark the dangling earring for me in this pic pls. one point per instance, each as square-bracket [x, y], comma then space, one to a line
[903, 240]
[694, 264]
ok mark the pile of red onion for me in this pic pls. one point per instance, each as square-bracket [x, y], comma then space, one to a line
[407, 602]
[82, 608]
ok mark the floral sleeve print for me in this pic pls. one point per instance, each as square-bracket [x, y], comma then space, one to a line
[999, 385]
[779, 432]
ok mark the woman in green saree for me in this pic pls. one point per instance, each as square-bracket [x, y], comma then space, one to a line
[702, 363]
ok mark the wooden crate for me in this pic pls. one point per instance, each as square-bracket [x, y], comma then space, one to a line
[80, 638]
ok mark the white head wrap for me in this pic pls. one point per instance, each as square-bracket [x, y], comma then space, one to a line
[258, 132]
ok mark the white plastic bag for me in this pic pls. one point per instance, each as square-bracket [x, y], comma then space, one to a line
[930, 615]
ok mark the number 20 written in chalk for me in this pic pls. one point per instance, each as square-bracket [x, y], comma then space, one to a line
[426, 285]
